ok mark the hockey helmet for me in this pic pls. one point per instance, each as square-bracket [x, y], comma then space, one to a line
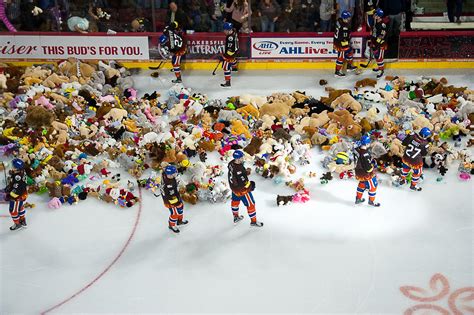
[238, 154]
[228, 26]
[379, 12]
[365, 140]
[346, 15]
[425, 132]
[170, 170]
[18, 164]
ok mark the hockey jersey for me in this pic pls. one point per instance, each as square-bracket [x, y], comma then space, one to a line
[415, 149]
[176, 42]
[231, 45]
[342, 35]
[379, 32]
[238, 180]
[170, 192]
[17, 188]
[364, 169]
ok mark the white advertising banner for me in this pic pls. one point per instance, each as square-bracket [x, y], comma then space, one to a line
[81, 47]
[299, 47]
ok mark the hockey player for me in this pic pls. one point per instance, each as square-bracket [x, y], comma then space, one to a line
[377, 42]
[365, 172]
[229, 61]
[17, 193]
[173, 39]
[241, 189]
[416, 148]
[172, 198]
[342, 43]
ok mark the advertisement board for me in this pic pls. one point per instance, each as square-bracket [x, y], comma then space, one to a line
[211, 45]
[298, 47]
[82, 47]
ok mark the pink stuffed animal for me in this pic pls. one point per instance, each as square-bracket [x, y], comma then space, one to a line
[301, 196]
[149, 115]
[54, 203]
[43, 101]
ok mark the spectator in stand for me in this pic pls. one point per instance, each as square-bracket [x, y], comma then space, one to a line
[140, 25]
[269, 12]
[98, 17]
[454, 10]
[198, 15]
[217, 18]
[393, 9]
[240, 12]
[326, 12]
[289, 15]
[176, 14]
[309, 16]
[4, 16]
[345, 5]
[78, 24]
[32, 17]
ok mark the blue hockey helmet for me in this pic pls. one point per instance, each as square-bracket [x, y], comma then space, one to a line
[346, 15]
[379, 12]
[170, 170]
[238, 154]
[425, 132]
[228, 26]
[365, 140]
[163, 39]
[18, 164]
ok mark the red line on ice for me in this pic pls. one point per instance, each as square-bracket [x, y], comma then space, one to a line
[109, 266]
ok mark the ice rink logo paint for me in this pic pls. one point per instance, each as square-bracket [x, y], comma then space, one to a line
[299, 47]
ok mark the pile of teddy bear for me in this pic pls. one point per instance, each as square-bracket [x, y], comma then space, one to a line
[83, 131]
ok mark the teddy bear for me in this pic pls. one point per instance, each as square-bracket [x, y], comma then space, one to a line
[248, 110]
[255, 100]
[315, 121]
[116, 114]
[253, 147]
[238, 128]
[189, 193]
[346, 121]
[38, 117]
[76, 70]
[389, 97]
[275, 108]
[333, 94]
[35, 72]
[366, 82]
[421, 121]
[284, 200]
[3, 80]
[55, 80]
[267, 121]
[346, 101]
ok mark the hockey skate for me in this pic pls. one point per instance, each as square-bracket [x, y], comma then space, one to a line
[235, 69]
[226, 84]
[358, 201]
[339, 74]
[183, 222]
[177, 80]
[380, 74]
[23, 223]
[174, 229]
[15, 227]
[256, 224]
[374, 204]
[415, 188]
[238, 218]
[351, 68]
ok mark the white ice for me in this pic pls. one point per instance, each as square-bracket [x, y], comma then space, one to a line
[325, 256]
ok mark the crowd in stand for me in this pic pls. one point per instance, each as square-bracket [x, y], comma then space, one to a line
[193, 15]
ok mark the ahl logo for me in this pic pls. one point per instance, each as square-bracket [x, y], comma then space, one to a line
[265, 46]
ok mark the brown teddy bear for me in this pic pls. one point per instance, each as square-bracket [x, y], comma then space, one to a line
[333, 94]
[38, 117]
[248, 110]
[347, 123]
[254, 146]
[366, 82]
[346, 101]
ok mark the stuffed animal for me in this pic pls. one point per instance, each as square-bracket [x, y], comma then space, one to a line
[346, 101]
[284, 200]
[333, 94]
[254, 100]
[238, 128]
[366, 82]
[248, 110]
[346, 121]
[276, 108]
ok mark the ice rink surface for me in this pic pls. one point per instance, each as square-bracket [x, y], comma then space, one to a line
[414, 254]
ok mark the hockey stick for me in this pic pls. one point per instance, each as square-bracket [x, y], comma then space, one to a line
[159, 66]
[217, 66]
[371, 58]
